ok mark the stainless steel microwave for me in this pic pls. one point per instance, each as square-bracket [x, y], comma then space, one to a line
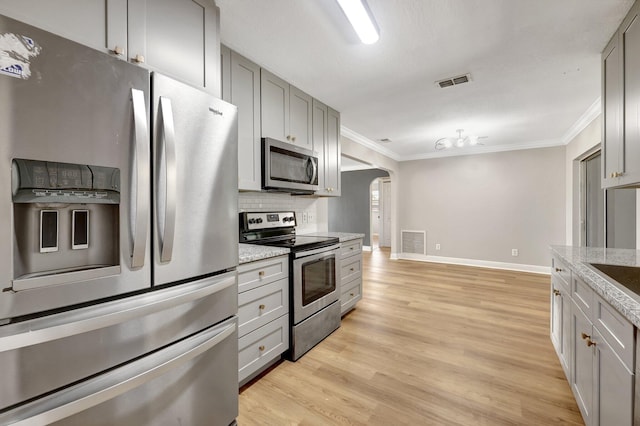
[288, 168]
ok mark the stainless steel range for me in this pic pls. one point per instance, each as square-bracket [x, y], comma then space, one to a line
[313, 276]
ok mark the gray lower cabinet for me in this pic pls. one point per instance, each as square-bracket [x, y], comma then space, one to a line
[351, 274]
[263, 315]
[179, 38]
[597, 350]
[241, 87]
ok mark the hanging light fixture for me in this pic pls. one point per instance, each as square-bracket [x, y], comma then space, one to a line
[361, 20]
[460, 141]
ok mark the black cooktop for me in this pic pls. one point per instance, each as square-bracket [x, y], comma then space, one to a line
[297, 242]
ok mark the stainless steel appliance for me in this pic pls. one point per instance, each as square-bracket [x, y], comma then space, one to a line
[117, 240]
[314, 275]
[288, 168]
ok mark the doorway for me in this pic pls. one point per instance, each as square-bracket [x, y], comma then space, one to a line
[380, 196]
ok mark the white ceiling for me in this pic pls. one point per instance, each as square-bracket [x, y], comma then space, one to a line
[535, 66]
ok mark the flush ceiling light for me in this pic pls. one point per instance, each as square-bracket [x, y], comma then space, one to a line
[459, 141]
[361, 20]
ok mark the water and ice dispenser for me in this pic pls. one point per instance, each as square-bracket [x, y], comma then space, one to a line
[65, 221]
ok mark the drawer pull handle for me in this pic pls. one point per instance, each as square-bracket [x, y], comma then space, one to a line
[585, 336]
[590, 343]
[558, 269]
[261, 274]
[261, 348]
[261, 307]
[351, 294]
[351, 269]
[350, 248]
[556, 292]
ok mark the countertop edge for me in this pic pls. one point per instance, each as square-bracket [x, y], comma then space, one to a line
[253, 252]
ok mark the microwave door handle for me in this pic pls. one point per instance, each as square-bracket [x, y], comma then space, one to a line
[169, 135]
[315, 169]
[141, 209]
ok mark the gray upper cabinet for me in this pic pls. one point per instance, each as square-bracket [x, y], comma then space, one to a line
[620, 105]
[100, 24]
[179, 38]
[286, 111]
[241, 87]
[326, 142]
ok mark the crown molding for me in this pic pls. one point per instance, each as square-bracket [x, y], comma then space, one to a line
[585, 119]
[363, 140]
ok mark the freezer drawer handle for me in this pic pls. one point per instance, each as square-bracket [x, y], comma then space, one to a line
[79, 321]
[90, 393]
[142, 178]
[169, 136]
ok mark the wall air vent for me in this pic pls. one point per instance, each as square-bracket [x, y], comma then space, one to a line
[414, 242]
[454, 81]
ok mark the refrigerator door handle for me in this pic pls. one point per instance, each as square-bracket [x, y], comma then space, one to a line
[169, 136]
[104, 387]
[78, 321]
[141, 140]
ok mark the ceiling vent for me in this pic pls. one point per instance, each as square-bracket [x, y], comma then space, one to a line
[454, 81]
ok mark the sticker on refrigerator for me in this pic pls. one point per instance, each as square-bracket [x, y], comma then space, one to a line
[16, 53]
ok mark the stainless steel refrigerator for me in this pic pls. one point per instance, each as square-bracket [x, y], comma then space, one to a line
[118, 241]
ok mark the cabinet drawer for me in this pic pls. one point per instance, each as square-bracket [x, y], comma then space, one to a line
[583, 296]
[615, 329]
[255, 274]
[351, 269]
[258, 348]
[560, 270]
[261, 305]
[350, 248]
[350, 294]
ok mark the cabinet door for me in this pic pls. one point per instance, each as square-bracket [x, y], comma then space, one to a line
[245, 94]
[100, 24]
[556, 318]
[300, 112]
[332, 153]
[612, 113]
[320, 118]
[582, 364]
[179, 38]
[630, 43]
[274, 106]
[225, 73]
[565, 356]
[613, 394]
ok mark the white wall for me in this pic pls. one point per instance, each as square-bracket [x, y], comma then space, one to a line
[480, 207]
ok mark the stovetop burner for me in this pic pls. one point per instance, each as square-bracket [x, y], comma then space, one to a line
[277, 229]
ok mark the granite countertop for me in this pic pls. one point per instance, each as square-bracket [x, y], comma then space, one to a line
[252, 252]
[578, 257]
[344, 236]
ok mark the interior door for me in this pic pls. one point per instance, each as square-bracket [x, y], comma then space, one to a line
[195, 151]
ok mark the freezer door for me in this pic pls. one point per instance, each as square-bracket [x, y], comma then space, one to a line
[61, 102]
[195, 182]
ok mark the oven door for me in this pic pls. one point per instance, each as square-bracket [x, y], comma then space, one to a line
[316, 276]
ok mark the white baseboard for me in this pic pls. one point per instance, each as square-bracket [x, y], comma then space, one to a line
[366, 248]
[546, 270]
[394, 256]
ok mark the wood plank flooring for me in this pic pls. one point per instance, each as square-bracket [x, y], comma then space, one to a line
[428, 344]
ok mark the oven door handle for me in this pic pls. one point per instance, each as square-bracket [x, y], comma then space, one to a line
[306, 253]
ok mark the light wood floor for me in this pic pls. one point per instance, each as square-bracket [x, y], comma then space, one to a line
[428, 344]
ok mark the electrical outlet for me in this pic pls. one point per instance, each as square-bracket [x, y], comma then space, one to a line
[514, 252]
[305, 217]
[437, 246]
[310, 217]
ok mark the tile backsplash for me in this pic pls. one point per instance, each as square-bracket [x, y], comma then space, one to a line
[312, 208]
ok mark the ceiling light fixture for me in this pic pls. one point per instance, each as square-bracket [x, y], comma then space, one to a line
[361, 20]
[459, 141]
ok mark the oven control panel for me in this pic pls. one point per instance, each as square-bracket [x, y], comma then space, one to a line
[266, 220]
